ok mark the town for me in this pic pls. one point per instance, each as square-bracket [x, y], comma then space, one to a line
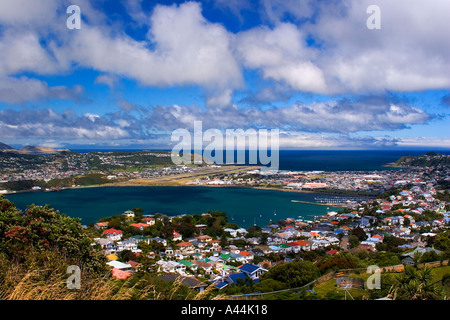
[404, 228]
[393, 219]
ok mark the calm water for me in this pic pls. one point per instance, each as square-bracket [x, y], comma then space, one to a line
[245, 206]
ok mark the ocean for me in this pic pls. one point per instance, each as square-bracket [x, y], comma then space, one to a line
[330, 160]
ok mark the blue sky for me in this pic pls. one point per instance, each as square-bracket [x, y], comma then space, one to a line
[137, 70]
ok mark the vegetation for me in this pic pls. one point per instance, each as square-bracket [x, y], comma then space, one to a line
[38, 245]
[429, 159]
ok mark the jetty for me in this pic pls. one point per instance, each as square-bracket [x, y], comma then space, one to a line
[333, 201]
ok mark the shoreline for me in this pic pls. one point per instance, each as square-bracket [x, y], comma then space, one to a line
[131, 184]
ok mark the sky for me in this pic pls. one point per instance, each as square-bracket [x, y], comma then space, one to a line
[137, 70]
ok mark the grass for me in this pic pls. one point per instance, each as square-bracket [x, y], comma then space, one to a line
[43, 277]
[329, 286]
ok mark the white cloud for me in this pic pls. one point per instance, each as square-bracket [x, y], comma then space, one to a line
[281, 54]
[409, 52]
[186, 49]
[23, 89]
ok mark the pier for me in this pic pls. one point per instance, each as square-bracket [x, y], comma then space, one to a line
[333, 201]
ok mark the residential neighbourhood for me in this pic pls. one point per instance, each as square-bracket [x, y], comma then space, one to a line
[390, 218]
[230, 255]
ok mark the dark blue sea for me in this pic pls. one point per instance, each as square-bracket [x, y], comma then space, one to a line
[331, 160]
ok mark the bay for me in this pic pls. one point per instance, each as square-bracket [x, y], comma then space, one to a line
[244, 206]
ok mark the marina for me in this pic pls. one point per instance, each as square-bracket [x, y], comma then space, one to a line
[333, 201]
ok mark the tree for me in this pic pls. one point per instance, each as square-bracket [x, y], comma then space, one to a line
[336, 263]
[42, 229]
[353, 241]
[268, 285]
[294, 274]
[442, 241]
[360, 233]
[138, 214]
[416, 285]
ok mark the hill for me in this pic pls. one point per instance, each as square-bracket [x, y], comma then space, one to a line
[40, 150]
[6, 148]
[429, 159]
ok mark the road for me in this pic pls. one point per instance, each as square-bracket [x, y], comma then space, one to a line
[344, 243]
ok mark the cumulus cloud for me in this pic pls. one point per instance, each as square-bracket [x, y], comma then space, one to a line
[334, 116]
[48, 124]
[183, 48]
[23, 89]
[281, 54]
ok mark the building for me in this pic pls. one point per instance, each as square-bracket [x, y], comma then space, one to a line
[252, 271]
[113, 234]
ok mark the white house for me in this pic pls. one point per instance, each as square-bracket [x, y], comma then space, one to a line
[113, 234]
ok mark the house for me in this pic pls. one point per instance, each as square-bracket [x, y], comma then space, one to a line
[204, 238]
[252, 271]
[304, 245]
[189, 264]
[332, 251]
[127, 245]
[284, 248]
[101, 225]
[186, 247]
[159, 240]
[113, 234]
[107, 245]
[248, 255]
[120, 274]
[171, 267]
[232, 232]
[139, 225]
[148, 220]
[186, 281]
[120, 265]
[295, 247]
[138, 238]
[332, 240]
[238, 257]
[129, 214]
[206, 266]
[408, 258]
[231, 279]
[135, 265]
[177, 236]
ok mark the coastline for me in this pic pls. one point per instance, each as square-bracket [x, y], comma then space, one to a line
[131, 184]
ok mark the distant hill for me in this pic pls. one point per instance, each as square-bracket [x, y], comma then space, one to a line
[5, 147]
[40, 150]
[429, 159]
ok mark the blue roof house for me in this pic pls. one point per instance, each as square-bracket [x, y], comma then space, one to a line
[252, 271]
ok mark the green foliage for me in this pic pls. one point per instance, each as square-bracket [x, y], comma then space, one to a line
[416, 285]
[430, 159]
[442, 241]
[41, 229]
[294, 274]
[91, 179]
[269, 284]
[336, 262]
